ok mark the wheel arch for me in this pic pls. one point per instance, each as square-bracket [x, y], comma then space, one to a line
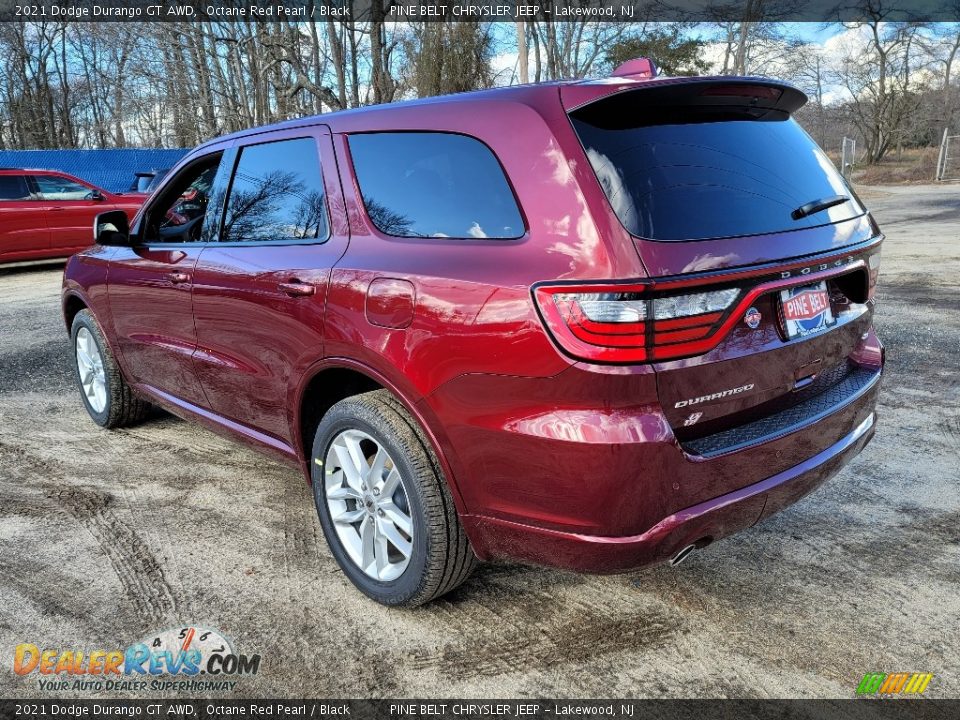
[312, 400]
[73, 303]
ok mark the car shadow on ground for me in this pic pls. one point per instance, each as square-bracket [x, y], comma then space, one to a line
[25, 268]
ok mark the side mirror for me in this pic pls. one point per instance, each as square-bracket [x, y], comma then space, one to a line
[111, 228]
[96, 195]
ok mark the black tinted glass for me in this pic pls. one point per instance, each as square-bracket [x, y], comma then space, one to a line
[698, 176]
[13, 187]
[277, 194]
[181, 213]
[434, 185]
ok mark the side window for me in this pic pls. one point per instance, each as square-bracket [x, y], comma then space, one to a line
[179, 213]
[429, 184]
[277, 194]
[14, 187]
[53, 187]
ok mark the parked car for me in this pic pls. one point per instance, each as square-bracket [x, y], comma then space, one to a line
[589, 324]
[141, 181]
[145, 181]
[49, 214]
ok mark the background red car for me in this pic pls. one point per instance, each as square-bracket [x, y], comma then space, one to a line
[49, 214]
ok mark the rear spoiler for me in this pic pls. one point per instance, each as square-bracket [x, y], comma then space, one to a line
[757, 97]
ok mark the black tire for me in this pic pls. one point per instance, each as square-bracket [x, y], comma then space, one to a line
[123, 407]
[441, 558]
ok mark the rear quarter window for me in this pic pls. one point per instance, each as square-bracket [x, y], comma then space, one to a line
[690, 176]
[429, 184]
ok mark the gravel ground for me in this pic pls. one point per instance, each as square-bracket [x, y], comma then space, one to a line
[109, 537]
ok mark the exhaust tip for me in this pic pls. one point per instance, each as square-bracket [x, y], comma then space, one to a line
[685, 553]
[682, 555]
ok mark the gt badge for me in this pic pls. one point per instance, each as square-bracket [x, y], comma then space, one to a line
[752, 318]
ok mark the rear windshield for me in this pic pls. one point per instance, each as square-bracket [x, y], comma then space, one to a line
[695, 175]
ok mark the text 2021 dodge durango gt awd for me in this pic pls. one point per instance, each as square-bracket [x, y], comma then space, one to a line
[591, 324]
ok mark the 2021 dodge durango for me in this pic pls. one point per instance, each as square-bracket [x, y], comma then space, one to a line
[590, 324]
[47, 214]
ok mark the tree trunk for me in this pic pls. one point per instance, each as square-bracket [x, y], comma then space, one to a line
[522, 52]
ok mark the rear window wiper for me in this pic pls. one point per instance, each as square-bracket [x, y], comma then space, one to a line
[815, 206]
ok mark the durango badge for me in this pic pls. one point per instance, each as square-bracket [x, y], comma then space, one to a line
[752, 318]
[714, 396]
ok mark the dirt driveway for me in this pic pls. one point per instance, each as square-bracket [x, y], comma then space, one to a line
[107, 538]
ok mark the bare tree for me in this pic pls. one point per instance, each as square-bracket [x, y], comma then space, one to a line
[447, 57]
[177, 84]
[570, 49]
[877, 75]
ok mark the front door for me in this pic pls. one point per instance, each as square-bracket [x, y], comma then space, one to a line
[151, 282]
[71, 207]
[259, 288]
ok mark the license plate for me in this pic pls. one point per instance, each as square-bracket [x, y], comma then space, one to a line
[806, 310]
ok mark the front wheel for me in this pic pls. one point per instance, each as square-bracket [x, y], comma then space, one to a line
[108, 398]
[384, 506]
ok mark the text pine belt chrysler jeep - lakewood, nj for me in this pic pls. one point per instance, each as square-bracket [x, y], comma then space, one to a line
[637, 321]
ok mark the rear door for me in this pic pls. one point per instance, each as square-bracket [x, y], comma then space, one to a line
[261, 283]
[23, 225]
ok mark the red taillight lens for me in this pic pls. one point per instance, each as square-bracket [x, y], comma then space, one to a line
[597, 326]
[625, 325]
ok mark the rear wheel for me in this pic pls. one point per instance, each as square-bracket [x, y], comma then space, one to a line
[109, 400]
[383, 503]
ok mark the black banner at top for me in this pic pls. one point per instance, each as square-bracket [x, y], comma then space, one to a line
[478, 10]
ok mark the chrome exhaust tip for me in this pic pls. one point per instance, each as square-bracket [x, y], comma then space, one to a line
[682, 555]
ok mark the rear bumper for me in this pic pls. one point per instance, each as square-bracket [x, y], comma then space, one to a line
[706, 521]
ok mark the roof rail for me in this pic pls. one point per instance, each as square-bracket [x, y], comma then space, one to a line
[640, 67]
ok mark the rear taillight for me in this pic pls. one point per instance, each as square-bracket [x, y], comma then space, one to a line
[626, 324]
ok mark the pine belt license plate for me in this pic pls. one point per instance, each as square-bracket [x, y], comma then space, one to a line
[806, 310]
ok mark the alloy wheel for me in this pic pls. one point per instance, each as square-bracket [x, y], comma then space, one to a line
[368, 504]
[93, 376]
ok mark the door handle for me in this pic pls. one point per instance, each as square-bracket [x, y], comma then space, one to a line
[55, 209]
[295, 288]
[178, 277]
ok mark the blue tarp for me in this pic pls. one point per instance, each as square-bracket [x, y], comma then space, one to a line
[110, 169]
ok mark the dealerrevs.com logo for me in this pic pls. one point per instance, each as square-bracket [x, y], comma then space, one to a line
[188, 659]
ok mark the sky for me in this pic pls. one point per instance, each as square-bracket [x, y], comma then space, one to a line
[504, 63]
[834, 41]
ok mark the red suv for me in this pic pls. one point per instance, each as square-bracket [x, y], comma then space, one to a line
[48, 213]
[592, 324]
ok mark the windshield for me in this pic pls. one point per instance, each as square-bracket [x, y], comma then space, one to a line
[695, 174]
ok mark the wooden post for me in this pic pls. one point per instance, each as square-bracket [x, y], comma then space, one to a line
[943, 156]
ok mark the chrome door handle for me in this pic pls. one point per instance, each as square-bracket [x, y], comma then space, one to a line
[295, 288]
[178, 277]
